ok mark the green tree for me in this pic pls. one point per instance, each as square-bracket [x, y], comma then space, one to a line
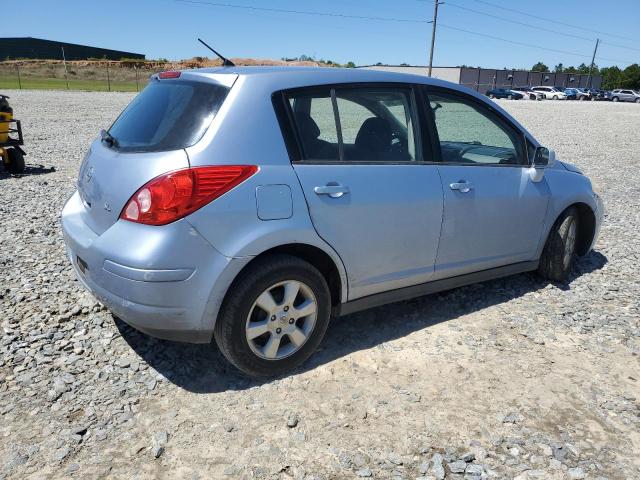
[570, 69]
[583, 69]
[631, 77]
[558, 68]
[350, 65]
[539, 67]
[611, 77]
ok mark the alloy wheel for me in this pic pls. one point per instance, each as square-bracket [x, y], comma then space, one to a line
[570, 242]
[281, 320]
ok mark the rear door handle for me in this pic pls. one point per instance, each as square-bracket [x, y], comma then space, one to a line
[334, 191]
[462, 186]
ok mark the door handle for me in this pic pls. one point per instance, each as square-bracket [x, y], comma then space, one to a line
[462, 186]
[334, 191]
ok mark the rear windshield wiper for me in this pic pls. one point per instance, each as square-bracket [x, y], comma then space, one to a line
[109, 139]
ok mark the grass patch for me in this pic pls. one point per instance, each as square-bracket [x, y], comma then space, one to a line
[61, 84]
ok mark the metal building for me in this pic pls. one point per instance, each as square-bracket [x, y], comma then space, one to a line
[37, 48]
[483, 79]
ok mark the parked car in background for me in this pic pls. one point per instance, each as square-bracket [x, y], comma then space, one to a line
[528, 93]
[625, 95]
[571, 93]
[250, 205]
[599, 95]
[504, 93]
[551, 93]
[583, 94]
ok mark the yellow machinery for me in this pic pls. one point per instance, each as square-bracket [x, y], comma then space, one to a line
[10, 139]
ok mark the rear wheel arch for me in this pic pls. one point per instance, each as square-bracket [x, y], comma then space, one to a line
[317, 257]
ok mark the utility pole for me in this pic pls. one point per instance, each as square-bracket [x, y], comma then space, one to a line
[64, 61]
[593, 59]
[108, 78]
[433, 33]
[19, 80]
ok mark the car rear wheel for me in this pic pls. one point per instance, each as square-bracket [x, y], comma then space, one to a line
[559, 252]
[637, 100]
[274, 317]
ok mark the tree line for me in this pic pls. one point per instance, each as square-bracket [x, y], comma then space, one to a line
[612, 77]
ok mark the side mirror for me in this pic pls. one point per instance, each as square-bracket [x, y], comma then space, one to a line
[544, 158]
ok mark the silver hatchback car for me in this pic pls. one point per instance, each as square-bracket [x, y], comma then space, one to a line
[250, 205]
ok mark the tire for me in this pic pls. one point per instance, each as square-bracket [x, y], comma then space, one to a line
[559, 252]
[267, 278]
[637, 100]
[555, 97]
[16, 161]
[615, 99]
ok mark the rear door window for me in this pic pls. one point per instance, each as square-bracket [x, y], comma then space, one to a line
[168, 115]
[316, 124]
[376, 124]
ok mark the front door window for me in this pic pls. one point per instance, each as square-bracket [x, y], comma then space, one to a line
[470, 134]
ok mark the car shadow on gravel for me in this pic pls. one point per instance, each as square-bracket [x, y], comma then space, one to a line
[203, 369]
[29, 170]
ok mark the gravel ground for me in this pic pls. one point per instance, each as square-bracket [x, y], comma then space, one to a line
[513, 378]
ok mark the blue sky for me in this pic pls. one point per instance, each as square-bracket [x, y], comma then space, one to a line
[168, 28]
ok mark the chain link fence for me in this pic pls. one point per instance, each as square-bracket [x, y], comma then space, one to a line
[95, 76]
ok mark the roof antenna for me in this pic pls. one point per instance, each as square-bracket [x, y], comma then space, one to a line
[225, 61]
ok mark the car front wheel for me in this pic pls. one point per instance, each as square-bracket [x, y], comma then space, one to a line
[614, 99]
[274, 316]
[560, 250]
[555, 97]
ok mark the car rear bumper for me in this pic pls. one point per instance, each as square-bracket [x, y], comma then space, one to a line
[166, 281]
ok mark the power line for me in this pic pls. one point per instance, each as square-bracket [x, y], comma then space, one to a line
[423, 21]
[523, 44]
[537, 27]
[531, 15]
[518, 22]
[620, 46]
[514, 42]
[303, 12]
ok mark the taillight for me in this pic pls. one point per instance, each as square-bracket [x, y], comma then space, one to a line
[174, 195]
[169, 74]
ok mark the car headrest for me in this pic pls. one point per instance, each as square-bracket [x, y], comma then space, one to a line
[308, 128]
[374, 135]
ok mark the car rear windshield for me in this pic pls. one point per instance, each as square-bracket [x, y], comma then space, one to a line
[167, 115]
